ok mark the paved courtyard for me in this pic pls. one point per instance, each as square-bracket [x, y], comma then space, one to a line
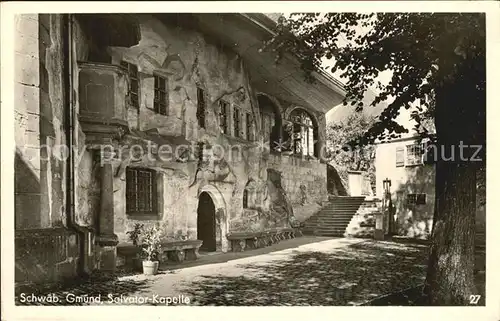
[330, 272]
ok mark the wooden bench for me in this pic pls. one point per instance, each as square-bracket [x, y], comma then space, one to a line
[253, 240]
[176, 251]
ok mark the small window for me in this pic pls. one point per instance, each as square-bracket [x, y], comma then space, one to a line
[133, 88]
[249, 125]
[161, 95]
[236, 122]
[200, 111]
[223, 112]
[140, 191]
[416, 199]
[245, 198]
[414, 153]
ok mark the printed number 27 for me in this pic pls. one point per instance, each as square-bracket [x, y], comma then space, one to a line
[474, 299]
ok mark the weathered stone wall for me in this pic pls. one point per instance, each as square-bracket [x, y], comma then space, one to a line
[304, 182]
[188, 59]
[27, 123]
[45, 249]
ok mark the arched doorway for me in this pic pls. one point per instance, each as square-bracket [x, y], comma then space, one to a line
[206, 222]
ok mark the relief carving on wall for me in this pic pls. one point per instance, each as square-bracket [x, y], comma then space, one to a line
[211, 166]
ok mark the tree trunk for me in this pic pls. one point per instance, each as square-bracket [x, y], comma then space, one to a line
[459, 120]
[450, 273]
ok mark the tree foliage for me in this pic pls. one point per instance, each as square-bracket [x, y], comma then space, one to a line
[346, 157]
[422, 51]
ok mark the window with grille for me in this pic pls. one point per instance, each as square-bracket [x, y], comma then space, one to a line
[161, 95]
[416, 199]
[133, 88]
[414, 154]
[200, 111]
[249, 126]
[236, 122]
[141, 195]
[223, 112]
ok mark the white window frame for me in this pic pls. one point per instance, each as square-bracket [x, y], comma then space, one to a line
[411, 159]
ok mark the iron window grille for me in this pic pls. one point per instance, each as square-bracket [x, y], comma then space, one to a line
[160, 95]
[141, 195]
[416, 199]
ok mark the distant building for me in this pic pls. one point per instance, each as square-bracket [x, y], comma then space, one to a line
[412, 182]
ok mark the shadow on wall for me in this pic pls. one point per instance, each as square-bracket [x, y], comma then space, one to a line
[26, 193]
[413, 214]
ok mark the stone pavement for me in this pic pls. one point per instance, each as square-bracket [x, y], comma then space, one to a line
[330, 272]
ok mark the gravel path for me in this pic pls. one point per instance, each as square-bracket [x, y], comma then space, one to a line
[332, 272]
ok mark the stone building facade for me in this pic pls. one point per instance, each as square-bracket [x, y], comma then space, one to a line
[412, 186]
[171, 119]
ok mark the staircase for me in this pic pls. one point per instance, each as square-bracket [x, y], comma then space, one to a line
[333, 219]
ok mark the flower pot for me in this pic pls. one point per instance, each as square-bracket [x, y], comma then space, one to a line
[150, 267]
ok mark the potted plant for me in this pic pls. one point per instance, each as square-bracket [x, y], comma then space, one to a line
[134, 236]
[151, 243]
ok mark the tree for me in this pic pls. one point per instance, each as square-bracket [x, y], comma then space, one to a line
[345, 157]
[436, 60]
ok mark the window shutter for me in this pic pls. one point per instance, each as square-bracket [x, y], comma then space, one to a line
[400, 156]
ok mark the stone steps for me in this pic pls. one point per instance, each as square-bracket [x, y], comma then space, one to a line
[334, 217]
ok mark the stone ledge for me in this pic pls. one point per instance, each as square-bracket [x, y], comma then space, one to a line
[253, 240]
[175, 251]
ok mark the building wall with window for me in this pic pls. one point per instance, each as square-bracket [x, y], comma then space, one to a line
[412, 185]
[133, 80]
[185, 88]
[173, 74]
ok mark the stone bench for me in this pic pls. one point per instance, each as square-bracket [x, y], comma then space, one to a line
[176, 251]
[253, 240]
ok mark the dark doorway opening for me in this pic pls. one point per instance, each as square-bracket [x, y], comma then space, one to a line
[206, 222]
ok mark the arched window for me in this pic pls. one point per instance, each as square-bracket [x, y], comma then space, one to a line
[303, 133]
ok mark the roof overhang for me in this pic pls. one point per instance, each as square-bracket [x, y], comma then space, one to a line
[245, 34]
